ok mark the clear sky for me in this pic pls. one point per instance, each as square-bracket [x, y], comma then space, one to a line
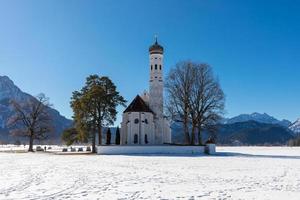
[253, 47]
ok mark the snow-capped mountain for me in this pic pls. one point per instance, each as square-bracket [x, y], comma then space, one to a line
[258, 117]
[295, 127]
[9, 91]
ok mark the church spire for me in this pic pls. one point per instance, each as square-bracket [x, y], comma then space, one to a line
[155, 36]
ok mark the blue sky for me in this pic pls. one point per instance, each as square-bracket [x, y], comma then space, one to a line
[253, 47]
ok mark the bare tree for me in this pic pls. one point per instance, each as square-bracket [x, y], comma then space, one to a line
[207, 100]
[195, 96]
[32, 119]
[179, 84]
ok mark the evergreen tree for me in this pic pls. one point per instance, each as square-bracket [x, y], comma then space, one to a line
[95, 106]
[108, 136]
[117, 136]
[70, 136]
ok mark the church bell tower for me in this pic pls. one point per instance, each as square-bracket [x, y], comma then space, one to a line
[156, 87]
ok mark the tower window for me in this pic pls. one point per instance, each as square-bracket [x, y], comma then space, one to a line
[146, 121]
[155, 66]
[159, 67]
[136, 121]
[155, 58]
[151, 67]
[135, 139]
[146, 139]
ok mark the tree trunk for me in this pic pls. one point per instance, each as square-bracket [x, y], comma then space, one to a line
[100, 135]
[193, 134]
[199, 137]
[186, 131]
[94, 143]
[30, 142]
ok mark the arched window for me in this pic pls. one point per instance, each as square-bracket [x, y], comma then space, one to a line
[135, 139]
[136, 121]
[155, 66]
[146, 139]
[151, 67]
[159, 67]
[146, 121]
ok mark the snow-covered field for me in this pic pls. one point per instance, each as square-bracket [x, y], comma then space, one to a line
[234, 173]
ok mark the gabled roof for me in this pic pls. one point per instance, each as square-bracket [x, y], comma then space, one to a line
[138, 105]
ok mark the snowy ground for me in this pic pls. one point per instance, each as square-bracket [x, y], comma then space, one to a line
[235, 173]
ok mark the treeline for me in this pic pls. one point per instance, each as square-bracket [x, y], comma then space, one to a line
[294, 142]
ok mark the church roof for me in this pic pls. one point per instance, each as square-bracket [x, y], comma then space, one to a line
[138, 105]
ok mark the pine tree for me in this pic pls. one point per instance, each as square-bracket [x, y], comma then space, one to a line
[108, 136]
[95, 106]
[117, 136]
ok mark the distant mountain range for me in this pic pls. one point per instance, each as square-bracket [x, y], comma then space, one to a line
[264, 118]
[248, 129]
[254, 133]
[258, 117]
[9, 91]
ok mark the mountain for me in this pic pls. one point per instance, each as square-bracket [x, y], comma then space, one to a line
[253, 133]
[295, 127]
[258, 117]
[242, 133]
[9, 91]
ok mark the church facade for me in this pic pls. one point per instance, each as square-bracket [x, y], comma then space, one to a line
[143, 120]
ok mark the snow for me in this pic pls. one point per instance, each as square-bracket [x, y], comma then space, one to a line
[234, 173]
[295, 127]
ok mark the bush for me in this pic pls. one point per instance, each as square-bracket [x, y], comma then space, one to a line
[210, 141]
[39, 148]
[17, 142]
[70, 136]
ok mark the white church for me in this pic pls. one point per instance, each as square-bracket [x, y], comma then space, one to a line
[143, 120]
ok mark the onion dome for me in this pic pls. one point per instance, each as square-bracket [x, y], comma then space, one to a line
[156, 48]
